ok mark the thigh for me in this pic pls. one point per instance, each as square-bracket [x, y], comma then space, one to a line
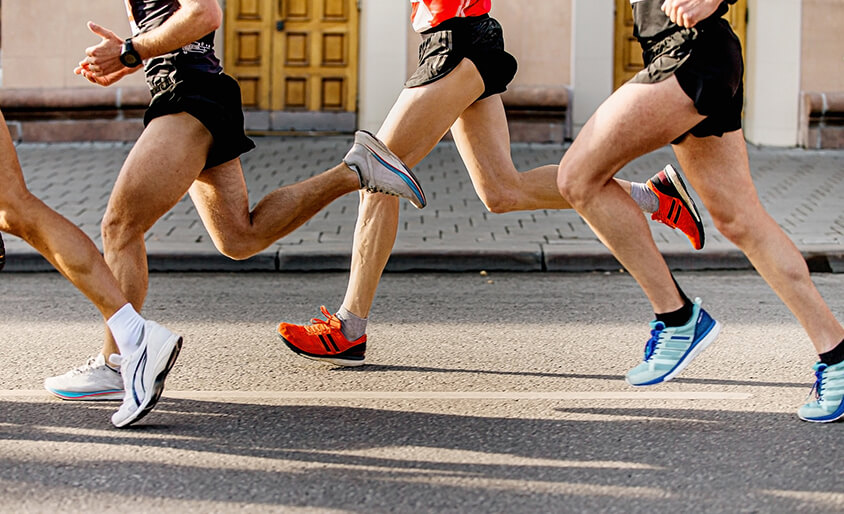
[719, 171]
[482, 137]
[635, 120]
[168, 156]
[422, 115]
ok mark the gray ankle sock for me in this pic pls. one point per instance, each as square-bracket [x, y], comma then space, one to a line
[353, 327]
[644, 197]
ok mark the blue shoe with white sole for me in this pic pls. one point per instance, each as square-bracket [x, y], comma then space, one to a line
[671, 349]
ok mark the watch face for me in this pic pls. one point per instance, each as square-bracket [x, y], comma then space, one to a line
[130, 59]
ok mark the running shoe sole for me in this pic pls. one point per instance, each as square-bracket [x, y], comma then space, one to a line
[693, 352]
[349, 361]
[112, 395]
[678, 184]
[162, 367]
[835, 416]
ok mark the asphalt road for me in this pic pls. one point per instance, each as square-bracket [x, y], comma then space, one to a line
[498, 393]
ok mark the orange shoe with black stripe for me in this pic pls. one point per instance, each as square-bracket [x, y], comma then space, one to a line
[323, 340]
[676, 207]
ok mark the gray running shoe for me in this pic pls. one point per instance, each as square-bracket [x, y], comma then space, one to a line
[94, 380]
[144, 372]
[381, 171]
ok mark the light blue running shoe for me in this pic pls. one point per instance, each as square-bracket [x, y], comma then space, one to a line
[829, 395]
[671, 349]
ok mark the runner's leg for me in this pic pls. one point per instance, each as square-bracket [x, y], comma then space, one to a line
[719, 171]
[636, 119]
[222, 201]
[166, 159]
[57, 239]
[416, 123]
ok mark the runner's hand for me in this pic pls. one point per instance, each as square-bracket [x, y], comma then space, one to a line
[102, 62]
[687, 13]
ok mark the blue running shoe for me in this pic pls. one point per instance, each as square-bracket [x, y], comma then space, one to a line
[671, 349]
[829, 395]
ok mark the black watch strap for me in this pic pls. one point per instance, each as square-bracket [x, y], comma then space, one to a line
[130, 57]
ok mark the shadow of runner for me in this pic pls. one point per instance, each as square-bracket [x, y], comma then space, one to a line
[359, 459]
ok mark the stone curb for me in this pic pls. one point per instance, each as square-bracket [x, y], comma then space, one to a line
[580, 258]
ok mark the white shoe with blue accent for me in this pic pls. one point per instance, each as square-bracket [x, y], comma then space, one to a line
[144, 372]
[671, 349]
[828, 404]
[381, 171]
[94, 380]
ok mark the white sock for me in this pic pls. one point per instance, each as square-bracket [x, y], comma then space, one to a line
[126, 326]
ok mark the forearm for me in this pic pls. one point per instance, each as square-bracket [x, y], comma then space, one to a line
[193, 20]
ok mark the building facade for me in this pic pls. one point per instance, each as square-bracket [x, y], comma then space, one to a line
[335, 65]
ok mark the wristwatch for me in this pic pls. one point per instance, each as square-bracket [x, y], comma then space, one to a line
[130, 57]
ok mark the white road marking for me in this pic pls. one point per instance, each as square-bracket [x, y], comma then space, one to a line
[422, 395]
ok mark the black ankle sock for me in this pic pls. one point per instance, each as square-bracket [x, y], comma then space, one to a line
[682, 315]
[834, 356]
[679, 317]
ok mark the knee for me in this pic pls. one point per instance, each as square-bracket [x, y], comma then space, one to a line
[499, 199]
[739, 226]
[19, 213]
[571, 186]
[234, 249]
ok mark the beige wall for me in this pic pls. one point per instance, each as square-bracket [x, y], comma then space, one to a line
[822, 59]
[536, 32]
[43, 40]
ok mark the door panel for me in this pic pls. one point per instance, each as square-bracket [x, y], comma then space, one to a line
[294, 55]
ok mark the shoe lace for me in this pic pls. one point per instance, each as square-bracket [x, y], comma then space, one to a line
[817, 387]
[89, 365]
[653, 342]
[320, 326]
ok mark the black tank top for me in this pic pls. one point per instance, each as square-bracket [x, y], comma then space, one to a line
[145, 15]
[651, 24]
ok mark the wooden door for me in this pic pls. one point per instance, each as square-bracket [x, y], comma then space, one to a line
[294, 55]
[628, 53]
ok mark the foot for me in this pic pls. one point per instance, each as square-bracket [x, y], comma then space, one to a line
[144, 372]
[94, 380]
[828, 404]
[323, 340]
[676, 207]
[381, 171]
[671, 349]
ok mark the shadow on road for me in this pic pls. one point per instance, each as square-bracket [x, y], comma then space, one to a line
[365, 459]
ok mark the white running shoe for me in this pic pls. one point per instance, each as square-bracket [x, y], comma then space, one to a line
[381, 171]
[144, 372]
[94, 380]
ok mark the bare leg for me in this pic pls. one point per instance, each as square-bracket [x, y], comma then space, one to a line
[164, 162]
[416, 123]
[222, 201]
[57, 239]
[719, 171]
[636, 119]
[483, 140]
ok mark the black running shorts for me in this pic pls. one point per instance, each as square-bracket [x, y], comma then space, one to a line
[214, 100]
[477, 38]
[708, 64]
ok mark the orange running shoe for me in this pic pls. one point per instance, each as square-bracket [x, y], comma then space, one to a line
[323, 340]
[676, 207]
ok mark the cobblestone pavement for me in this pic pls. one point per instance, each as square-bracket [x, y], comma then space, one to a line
[803, 190]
